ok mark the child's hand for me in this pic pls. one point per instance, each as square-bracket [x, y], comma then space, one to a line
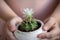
[52, 26]
[10, 28]
[11, 24]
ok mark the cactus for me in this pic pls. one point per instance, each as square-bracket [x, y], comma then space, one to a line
[29, 23]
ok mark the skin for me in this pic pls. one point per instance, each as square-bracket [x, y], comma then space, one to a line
[53, 24]
[5, 14]
[10, 19]
[13, 19]
[42, 8]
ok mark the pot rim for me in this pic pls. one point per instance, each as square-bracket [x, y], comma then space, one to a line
[31, 31]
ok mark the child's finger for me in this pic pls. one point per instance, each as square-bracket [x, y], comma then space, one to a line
[49, 24]
[44, 35]
[8, 34]
[56, 38]
[51, 34]
[13, 22]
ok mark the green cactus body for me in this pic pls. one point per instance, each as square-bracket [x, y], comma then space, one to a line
[30, 23]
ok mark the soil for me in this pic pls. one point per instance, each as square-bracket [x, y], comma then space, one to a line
[38, 26]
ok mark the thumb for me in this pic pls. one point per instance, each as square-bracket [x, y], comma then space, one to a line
[49, 24]
[51, 34]
[13, 22]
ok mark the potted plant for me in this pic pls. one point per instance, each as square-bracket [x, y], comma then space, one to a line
[29, 28]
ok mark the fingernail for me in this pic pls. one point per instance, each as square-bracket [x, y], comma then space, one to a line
[39, 36]
[45, 28]
[42, 36]
[13, 29]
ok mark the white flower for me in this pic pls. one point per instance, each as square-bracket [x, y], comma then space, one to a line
[28, 11]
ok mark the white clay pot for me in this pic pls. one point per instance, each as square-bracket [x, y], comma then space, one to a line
[29, 35]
